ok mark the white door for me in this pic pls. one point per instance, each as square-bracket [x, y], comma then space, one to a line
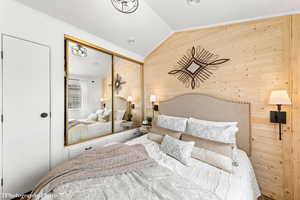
[26, 131]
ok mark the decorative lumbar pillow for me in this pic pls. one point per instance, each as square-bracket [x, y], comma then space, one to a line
[172, 123]
[155, 137]
[93, 117]
[157, 133]
[212, 158]
[177, 149]
[220, 155]
[224, 132]
[217, 147]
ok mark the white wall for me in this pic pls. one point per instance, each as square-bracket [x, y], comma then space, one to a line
[24, 22]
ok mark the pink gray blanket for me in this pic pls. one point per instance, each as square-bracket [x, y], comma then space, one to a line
[107, 161]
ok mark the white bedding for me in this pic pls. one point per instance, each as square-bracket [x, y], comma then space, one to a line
[198, 179]
[240, 185]
[87, 130]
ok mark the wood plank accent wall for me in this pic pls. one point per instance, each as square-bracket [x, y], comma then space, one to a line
[260, 53]
[295, 64]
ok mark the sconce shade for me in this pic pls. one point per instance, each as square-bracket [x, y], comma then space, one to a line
[101, 100]
[129, 98]
[280, 97]
[152, 98]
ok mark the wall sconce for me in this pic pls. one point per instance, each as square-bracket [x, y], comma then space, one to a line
[130, 107]
[130, 99]
[153, 99]
[102, 101]
[279, 98]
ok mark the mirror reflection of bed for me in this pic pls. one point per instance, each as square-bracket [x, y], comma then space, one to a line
[99, 102]
[87, 115]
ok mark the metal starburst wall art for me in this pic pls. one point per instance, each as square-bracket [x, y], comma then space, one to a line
[196, 66]
[118, 83]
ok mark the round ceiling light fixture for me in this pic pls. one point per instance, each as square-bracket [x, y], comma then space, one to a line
[193, 2]
[79, 50]
[126, 6]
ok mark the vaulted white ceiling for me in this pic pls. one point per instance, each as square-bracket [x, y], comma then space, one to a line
[100, 18]
[95, 64]
[179, 15]
[155, 20]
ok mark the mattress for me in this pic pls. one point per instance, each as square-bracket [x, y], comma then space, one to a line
[240, 185]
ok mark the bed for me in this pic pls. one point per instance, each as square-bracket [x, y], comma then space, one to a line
[84, 129]
[171, 179]
[241, 185]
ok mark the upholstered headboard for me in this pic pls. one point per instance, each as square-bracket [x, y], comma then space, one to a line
[210, 108]
[120, 103]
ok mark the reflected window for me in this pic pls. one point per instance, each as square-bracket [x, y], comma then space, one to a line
[74, 97]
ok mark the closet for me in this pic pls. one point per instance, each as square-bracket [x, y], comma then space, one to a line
[25, 113]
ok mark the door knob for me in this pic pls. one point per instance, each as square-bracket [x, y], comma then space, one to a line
[44, 115]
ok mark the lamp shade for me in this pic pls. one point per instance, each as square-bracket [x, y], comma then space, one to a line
[101, 100]
[280, 97]
[152, 98]
[129, 99]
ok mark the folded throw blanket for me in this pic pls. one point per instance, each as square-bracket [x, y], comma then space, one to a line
[106, 161]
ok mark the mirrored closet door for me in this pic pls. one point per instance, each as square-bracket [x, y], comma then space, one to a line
[103, 92]
[127, 94]
[89, 110]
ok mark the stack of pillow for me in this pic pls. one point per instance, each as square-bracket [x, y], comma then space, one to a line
[102, 115]
[183, 138]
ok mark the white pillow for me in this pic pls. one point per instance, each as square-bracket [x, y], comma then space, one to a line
[179, 150]
[212, 158]
[213, 123]
[103, 118]
[224, 132]
[100, 112]
[93, 117]
[173, 123]
[107, 112]
[119, 114]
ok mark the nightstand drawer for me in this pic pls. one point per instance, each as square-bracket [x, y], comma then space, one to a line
[79, 150]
